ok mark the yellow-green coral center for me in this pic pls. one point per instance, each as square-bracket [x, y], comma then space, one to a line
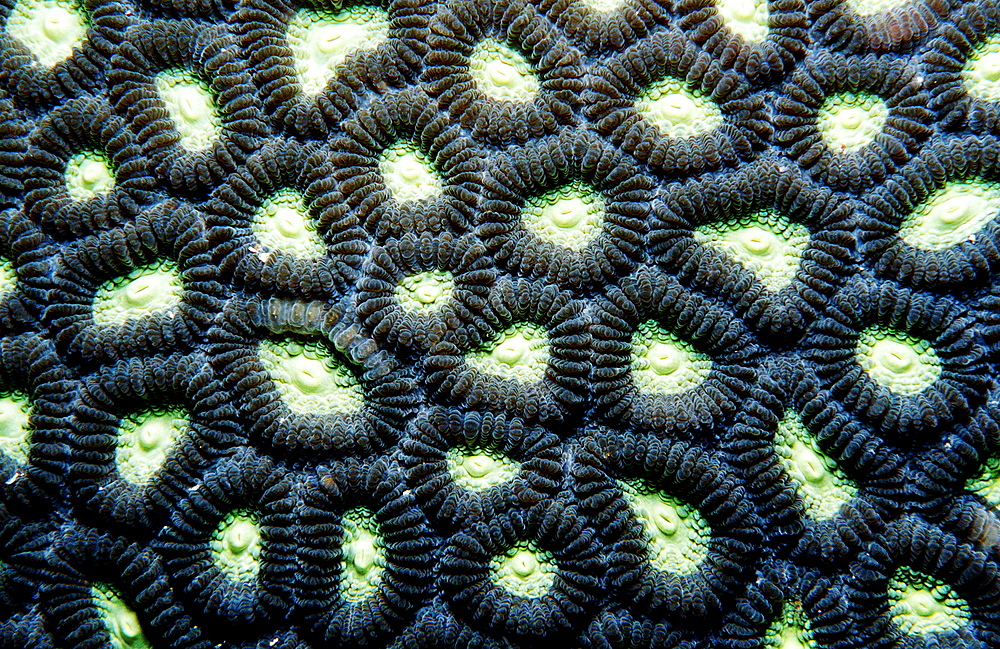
[987, 482]
[146, 291]
[191, 106]
[480, 469]
[748, 18]
[664, 364]
[790, 630]
[766, 243]
[677, 110]
[310, 379]
[822, 486]
[49, 29]
[426, 291]
[520, 353]
[902, 363]
[921, 604]
[15, 429]
[88, 174]
[871, 7]
[145, 440]
[502, 73]
[283, 224]
[677, 534]
[570, 217]
[321, 40]
[236, 546]
[524, 570]
[953, 214]
[850, 121]
[363, 555]
[981, 75]
[605, 6]
[408, 173]
[120, 621]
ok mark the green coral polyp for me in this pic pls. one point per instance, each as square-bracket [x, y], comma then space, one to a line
[664, 364]
[872, 7]
[849, 121]
[145, 440]
[321, 40]
[748, 18]
[408, 173]
[987, 483]
[8, 277]
[571, 216]
[677, 535]
[480, 469]
[790, 630]
[502, 73]
[15, 427]
[953, 214]
[363, 555]
[283, 224]
[236, 546]
[766, 243]
[521, 353]
[146, 291]
[677, 110]
[310, 379]
[88, 174]
[120, 621]
[920, 604]
[191, 106]
[49, 29]
[524, 570]
[823, 487]
[904, 364]
[426, 291]
[981, 74]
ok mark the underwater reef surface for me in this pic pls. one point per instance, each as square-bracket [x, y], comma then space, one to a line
[499, 324]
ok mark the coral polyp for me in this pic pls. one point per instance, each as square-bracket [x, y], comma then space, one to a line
[50, 29]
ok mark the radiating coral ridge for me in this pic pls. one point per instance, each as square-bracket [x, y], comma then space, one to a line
[425, 291]
[748, 18]
[145, 440]
[236, 546]
[905, 364]
[191, 106]
[678, 110]
[120, 621]
[409, 173]
[677, 534]
[49, 29]
[920, 604]
[363, 555]
[152, 289]
[981, 74]
[790, 630]
[849, 121]
[662, 363]
[953, 214]
[521, 352]
[821, 485]
[570, 217]
[524, 570]
[283, 224]
[310, 379]
[15, 429]
[475, 469]
[501, 72]
[88, 174]
[323, 39]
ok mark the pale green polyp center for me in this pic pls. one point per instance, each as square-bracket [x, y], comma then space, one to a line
[677, 534]
[747, 18]
[88, 174]
[850, 121]
[310, 380]
[570, 217]
[8, 277]
[480, 469]
[145, 440]
[981, 75]
[823, 487]
[921, 604]
[120, 621]
[664, 364]
[605, 6]
[15, 429]
[790, 630]
[521, 353]
[236, 546]
[191, 107]
[502, 73]
[49, 29]
[677, 110]
[953, 214]
[904, 364]
[321, 40]
[766, 243]
[146, 291]
[283, 224]
[363, 555]
[524, 570]
[872, 7]
[426, 291]
[408, 173]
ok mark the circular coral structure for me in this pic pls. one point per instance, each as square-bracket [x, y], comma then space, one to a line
[503, 71]
[674, 108]
[578, 224]
[862, 26]
[851, 121]
[604, 26]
